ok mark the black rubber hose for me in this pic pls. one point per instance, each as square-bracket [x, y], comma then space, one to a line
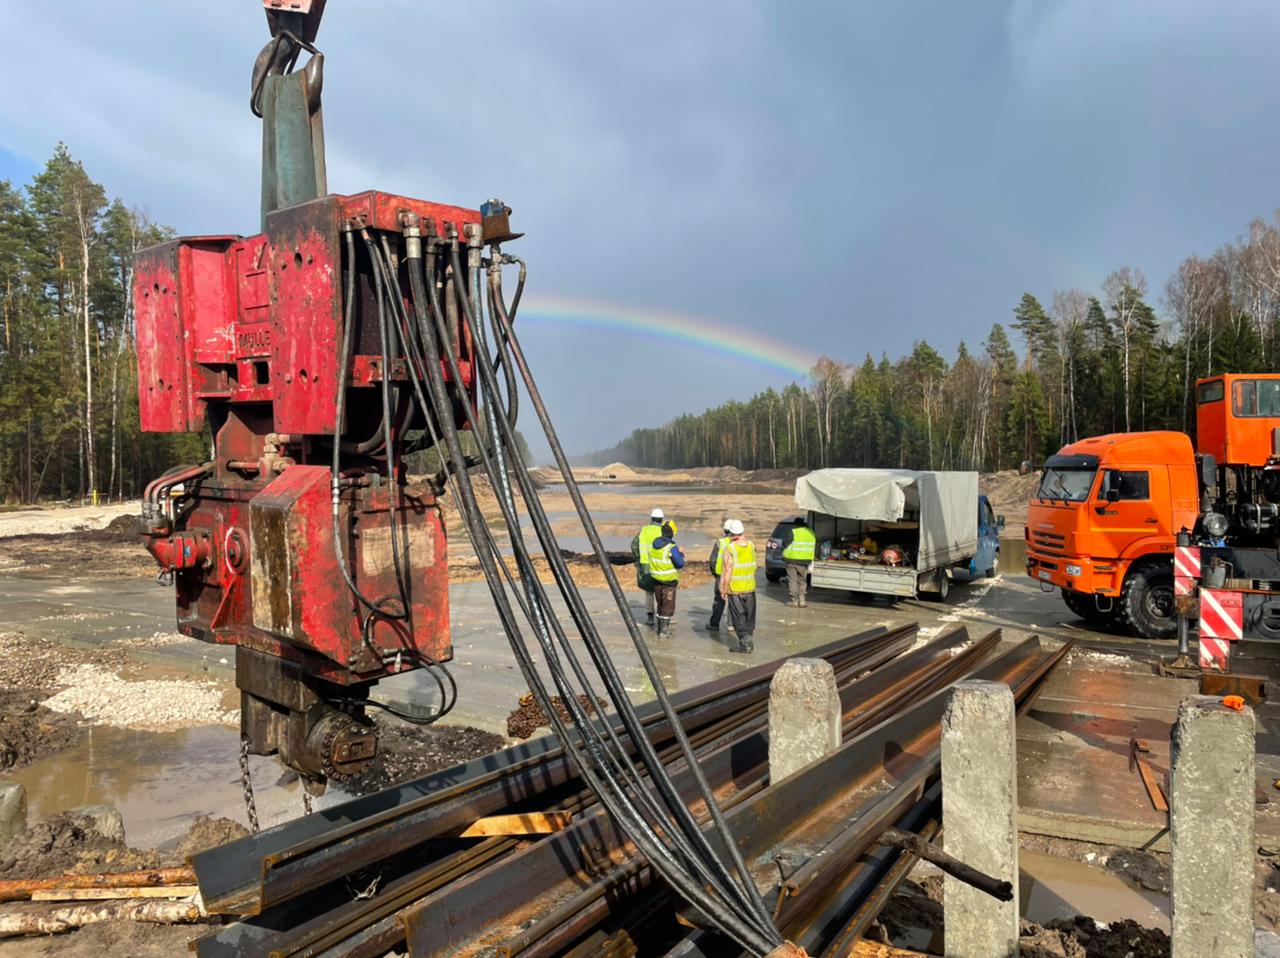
[393, 486]
[649, 846]
[658, 774]
[620, 599]
[535, 683]
[536, 596]
[348, 341]
[605, 667]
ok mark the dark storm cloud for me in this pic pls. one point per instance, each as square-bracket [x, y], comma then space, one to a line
[845, 177]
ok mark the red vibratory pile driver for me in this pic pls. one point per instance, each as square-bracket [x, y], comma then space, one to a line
[300, 542]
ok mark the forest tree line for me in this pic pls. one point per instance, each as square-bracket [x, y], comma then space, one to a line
[1076, 363]
[68, 369]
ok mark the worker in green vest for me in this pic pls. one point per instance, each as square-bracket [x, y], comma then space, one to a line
[665, 562]
[640, 546]
[798, 544]
[738, 585]
[716, 563]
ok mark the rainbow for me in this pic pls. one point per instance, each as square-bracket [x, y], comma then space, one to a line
[687, 330]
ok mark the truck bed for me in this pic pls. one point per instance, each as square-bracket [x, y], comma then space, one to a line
[871, 577]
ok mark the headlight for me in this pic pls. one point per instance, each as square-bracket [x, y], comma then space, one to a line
[1073, 570]
[1216, 524]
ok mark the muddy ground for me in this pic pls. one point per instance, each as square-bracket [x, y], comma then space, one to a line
[71, 845]
[916, 911]
[761, 498]
[407, 751]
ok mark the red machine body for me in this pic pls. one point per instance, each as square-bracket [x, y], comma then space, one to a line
[244, 337]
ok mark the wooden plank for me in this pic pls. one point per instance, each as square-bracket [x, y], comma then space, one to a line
[871, 949]
[1154, 791]
[103, 894]
[530, 823]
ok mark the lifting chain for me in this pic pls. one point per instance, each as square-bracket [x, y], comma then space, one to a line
[246, 783]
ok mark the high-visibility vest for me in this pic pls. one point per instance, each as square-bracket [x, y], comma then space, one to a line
[802, 545]
[661, 568]
[743, 578]
[721, 545]
[647, 535]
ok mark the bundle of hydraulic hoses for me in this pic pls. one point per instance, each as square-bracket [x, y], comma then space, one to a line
[638, 795]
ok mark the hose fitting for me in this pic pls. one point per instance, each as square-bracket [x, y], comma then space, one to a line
[411, 223]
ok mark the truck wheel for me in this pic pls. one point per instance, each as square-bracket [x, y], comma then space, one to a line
[944, 588]
[1146, 602]
[1086, 606]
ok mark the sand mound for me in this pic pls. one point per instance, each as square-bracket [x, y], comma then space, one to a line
[618, 470]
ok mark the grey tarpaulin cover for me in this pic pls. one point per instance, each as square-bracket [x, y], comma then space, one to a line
[946, 504]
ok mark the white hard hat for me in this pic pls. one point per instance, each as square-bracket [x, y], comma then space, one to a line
[734, 527]
[727, 523]
[657, 514]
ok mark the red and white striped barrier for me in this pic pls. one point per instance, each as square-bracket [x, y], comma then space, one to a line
[1221, 623]
[1186, 570]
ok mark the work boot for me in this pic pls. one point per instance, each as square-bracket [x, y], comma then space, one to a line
[745, 644]
[664, 627]
[713, 626]
[803, 601]
[794, 603]
[650, 618]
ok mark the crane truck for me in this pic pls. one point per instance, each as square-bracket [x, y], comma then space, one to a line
[1140, 530]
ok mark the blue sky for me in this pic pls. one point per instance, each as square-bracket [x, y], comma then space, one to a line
[841, 177]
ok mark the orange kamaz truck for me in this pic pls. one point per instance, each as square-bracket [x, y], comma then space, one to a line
[1105, 522]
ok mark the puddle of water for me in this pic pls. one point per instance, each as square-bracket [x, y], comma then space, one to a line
[1060, 888]
[160, 781]
[1053, 888]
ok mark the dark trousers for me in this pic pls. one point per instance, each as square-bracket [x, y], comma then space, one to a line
[742, 613]
[797, 580]
[664, 597]
[717, 604]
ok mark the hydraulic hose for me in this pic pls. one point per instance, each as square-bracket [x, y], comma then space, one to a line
[595, 647]
[646, 841]
[620, 599]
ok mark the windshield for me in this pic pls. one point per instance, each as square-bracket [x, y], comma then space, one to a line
[1073, 485]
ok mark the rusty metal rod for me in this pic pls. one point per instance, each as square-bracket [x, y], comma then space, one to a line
[996, 888]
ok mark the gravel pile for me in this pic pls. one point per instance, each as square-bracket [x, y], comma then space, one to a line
[31, 663]
[103, 697]
[406, 752]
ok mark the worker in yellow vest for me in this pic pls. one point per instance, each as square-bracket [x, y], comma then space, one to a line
[716, 563]
[640, 546]
[665, 562]
[798, 544]
[738, 585]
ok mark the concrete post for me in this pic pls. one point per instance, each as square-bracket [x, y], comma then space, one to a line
[1211, 824]
[13, 810]
[979, 818]
[804, 715]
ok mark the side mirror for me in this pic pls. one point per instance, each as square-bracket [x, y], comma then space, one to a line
[1113, 495]
[1208, 471]
[1025, 467]
[1000, 523]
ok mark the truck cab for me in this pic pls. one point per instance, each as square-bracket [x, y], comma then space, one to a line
[1101, 526]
